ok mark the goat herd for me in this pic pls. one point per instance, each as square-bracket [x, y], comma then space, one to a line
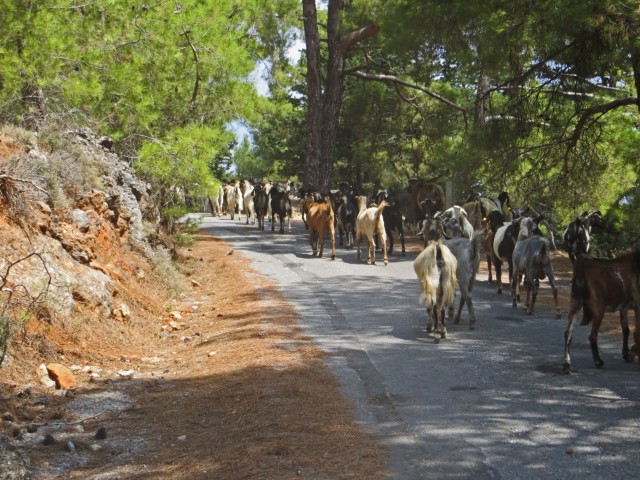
[454, 241]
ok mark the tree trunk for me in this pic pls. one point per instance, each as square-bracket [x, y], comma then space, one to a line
[323, 105]
[314, 98]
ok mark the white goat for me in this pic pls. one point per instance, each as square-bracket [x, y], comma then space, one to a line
[369, 223]
[531, 259]
[467, 252]
[248, 202]
[436, 269]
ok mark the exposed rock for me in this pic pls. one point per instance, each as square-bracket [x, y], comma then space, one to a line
[62, 376]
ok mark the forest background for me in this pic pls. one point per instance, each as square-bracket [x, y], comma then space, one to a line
[539, 98]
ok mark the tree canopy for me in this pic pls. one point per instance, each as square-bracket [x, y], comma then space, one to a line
[540, 98]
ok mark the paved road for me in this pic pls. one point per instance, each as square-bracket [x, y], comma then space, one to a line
[491, 403]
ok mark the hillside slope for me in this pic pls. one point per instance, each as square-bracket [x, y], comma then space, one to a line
[178, 374]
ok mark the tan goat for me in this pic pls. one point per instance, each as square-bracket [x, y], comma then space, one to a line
[320, 219]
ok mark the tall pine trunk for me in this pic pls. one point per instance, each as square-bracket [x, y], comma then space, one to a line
[323, 104]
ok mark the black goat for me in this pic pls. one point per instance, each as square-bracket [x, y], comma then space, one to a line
[392, 216]
[346, 213]
[577, 235]
[281, 206]
[600, 285]
[260, 205]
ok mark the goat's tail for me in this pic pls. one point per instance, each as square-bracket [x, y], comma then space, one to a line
[376, 220]
[541, 259]
[477, 240]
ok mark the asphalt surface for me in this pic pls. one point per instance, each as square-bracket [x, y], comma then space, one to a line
[492, 403]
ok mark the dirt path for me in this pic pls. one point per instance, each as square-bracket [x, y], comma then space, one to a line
[235, 392]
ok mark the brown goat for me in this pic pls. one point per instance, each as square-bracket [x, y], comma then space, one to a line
[600, 285]
[320, 219]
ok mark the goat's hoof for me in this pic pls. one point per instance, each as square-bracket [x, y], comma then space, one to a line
[333, 257]
[514, 304]
[456, 321]
[429, 329]
[472, 326]
[386, 262]
[436, 340]
[566, 368]
[627, 358]
[599, 363]
[558, 315]
[499, 291]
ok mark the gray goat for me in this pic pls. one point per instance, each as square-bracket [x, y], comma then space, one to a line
[467, 252]
[531, 259]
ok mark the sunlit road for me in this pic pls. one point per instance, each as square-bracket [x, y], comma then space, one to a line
[489, 403]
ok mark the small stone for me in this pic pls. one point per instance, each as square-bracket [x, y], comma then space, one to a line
[101, 434]
[182, 438]
[32, 428]
[8, 417]
[195, 283]
[212, 354]
[61, 375]
[95, 447]
[126, 373]
[569, 451]
[48, 439]
[176, 315]
[230, 252]
[70, 447]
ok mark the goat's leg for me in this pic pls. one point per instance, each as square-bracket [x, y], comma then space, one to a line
[332, 234]
[532, 290]
[358, 244]
[312, 241]
[624, 323]
[554, 290]
[431, 315]
[401, 230]
[384, 251]
[568, 334]
[593, 340]
[371, 250]
[273, 221]
[499, 276]
[472, 315]
[489, 268]
[515, 296]
[636, 333]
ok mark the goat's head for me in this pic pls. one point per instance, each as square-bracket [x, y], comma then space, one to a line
[432, 228]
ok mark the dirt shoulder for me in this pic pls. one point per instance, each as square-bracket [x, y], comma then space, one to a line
[236, 391]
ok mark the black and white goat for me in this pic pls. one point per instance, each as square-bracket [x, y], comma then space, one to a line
[531, 259]
[599, 286]
[504, 242]
[436, 267]
[460, 214]
[577, 235]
